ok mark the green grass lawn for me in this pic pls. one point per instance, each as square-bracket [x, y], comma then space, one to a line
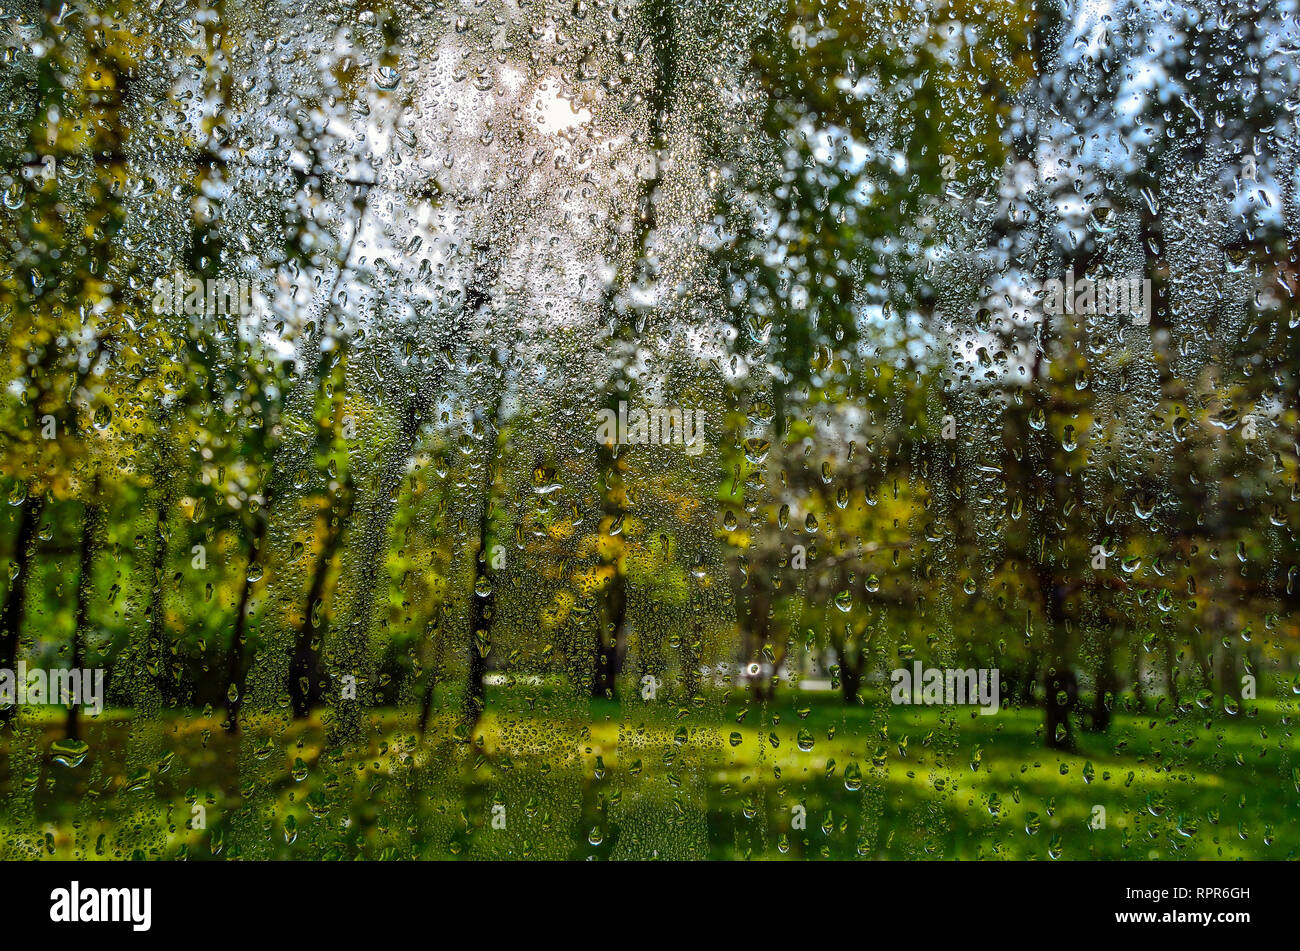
[550, 775]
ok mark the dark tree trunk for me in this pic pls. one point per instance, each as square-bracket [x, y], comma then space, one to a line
[482, 606]
[851, 680]
[611, 638]
[483, 593]
[237, 670]
[480, 630]
[85, 588]
[305, 687]
[15, 605]
[1062, 689]
[1226, 667]
[1106, 683]
[1171, 672]
[757, 619]
[692, 649]
[611, 612]
[1135, 677]
[156, 648]
[435, 666]
[1230, 674]
[304, 663]
[1059, 682]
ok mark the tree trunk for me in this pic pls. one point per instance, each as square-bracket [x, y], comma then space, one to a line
[1062, 688]
[1105, 684]
[1171, 673]
[156, 648]
[1059, 681]
[480, 631]
[305, 688]
[757, 619]
[15, 605]
[692, 650]
[426, 704]
[850, 679]
[611, 611]
[1135, 677]
[611, 639]
[237, 670]
[482, 605]
[85, 588]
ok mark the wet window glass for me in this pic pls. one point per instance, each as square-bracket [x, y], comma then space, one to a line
[629, 429]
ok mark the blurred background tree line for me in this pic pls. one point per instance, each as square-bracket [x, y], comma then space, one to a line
[469, 230]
